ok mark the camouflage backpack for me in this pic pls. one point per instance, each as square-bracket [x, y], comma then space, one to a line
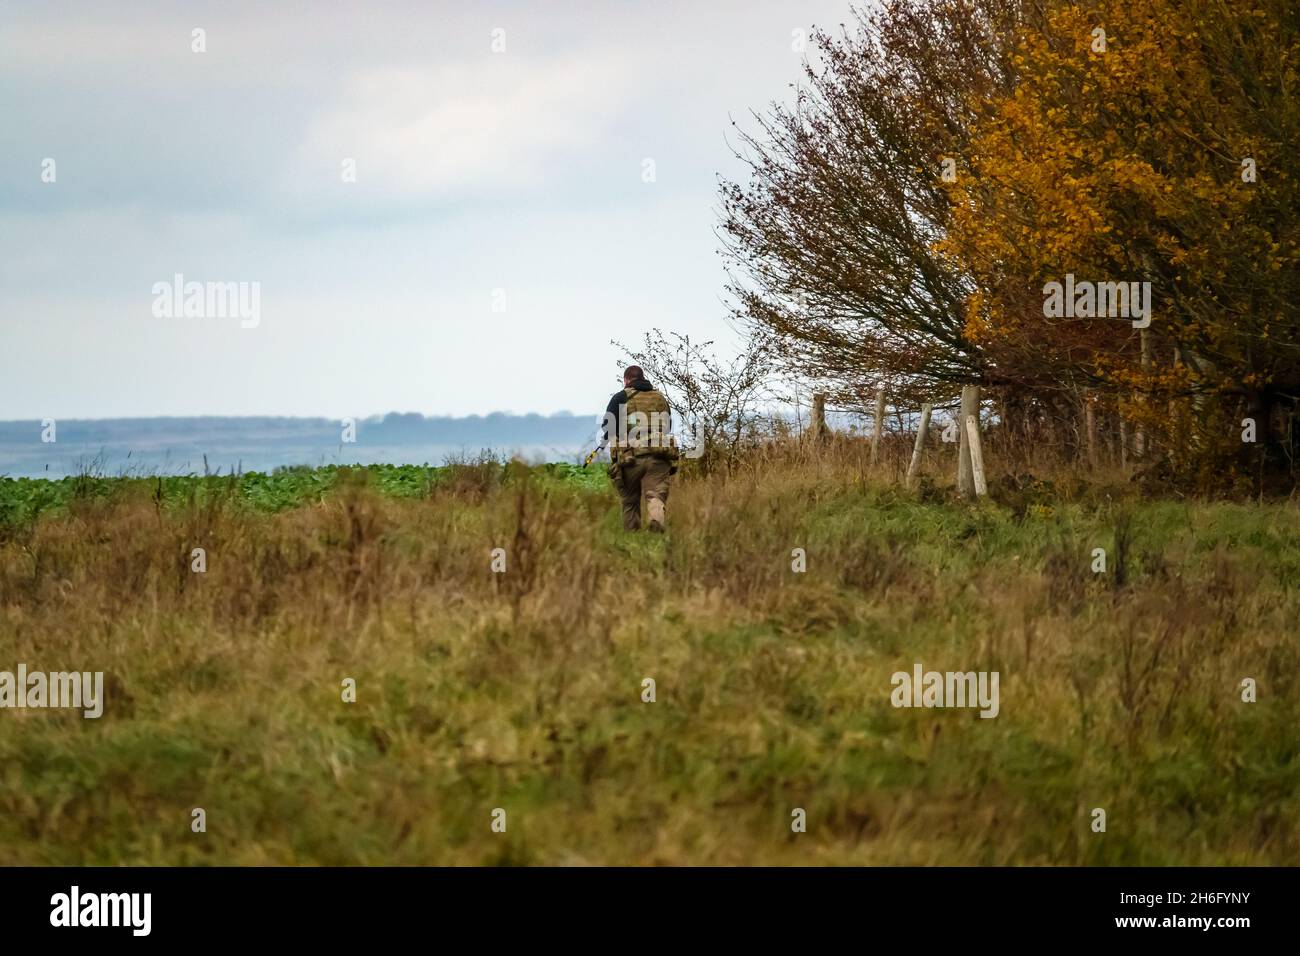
[649, 421]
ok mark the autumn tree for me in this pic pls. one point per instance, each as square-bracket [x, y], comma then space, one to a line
[1145, 140]
[831, 244]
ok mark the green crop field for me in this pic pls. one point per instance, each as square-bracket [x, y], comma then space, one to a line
[523, 689]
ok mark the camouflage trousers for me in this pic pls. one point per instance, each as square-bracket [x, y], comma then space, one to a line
[646, 476]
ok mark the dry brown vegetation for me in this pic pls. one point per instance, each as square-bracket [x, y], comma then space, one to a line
[523, 690]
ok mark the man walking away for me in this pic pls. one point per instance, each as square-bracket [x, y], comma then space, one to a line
[643, 457]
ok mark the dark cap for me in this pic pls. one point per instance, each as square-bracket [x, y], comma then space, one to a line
[633, 372]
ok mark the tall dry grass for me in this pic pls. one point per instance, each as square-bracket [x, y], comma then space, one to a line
[523, 690]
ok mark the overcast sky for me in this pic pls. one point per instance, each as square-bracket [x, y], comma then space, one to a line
[484, 180]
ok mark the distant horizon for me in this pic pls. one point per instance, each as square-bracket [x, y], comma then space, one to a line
[188, 444]
[54, 448]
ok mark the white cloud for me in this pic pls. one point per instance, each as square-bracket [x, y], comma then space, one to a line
[474, 171]
[494, 123]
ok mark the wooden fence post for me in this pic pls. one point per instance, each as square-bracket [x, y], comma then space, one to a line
[819, 429]
[970, 405]
[976, 456]
[878, 426]
[924, 427]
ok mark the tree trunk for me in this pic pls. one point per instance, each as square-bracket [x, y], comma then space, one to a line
[1090, 428]
[1140, 438]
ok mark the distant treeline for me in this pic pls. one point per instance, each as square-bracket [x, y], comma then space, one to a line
[180, 445]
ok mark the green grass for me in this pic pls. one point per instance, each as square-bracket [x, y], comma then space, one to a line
[23, 500]
[523, 690]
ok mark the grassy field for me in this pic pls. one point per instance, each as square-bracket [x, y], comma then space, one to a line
[522, 690]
